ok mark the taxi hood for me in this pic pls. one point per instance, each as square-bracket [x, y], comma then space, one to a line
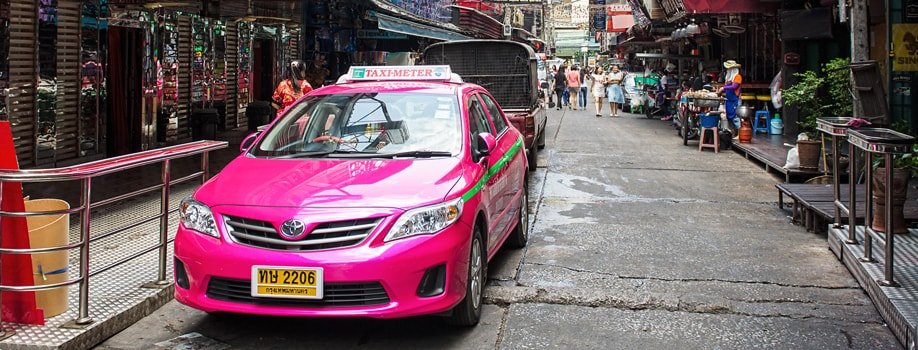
[332, 183]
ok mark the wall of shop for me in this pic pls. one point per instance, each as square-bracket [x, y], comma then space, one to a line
[119, 80]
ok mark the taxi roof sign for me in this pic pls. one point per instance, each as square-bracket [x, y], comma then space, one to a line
[400, 73]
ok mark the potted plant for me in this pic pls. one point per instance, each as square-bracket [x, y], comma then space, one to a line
[803, 96]
[904, 166]
[815, 95]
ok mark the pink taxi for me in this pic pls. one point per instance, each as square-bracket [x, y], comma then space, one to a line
[382, 196]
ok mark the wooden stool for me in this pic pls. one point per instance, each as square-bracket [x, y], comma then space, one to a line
[702, 137]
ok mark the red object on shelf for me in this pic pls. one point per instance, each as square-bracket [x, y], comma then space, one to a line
[15, 269]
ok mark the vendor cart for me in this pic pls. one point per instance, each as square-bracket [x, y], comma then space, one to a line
[687, 124]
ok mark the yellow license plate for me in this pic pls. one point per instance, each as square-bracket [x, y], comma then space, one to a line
[287, 282]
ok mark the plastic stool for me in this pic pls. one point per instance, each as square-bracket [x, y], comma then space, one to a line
[760, 124]
[715, 145]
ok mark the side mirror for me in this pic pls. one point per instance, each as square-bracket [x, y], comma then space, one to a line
[486, 145]
[248, 141]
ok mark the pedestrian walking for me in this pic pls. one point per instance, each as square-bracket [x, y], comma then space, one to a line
[573, 85]
[560, 86]
[291, 88]
[584, 88]
[598, 88]
[614, 90]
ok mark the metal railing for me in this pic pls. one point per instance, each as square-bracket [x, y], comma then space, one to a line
[872, 142]
[85, 174]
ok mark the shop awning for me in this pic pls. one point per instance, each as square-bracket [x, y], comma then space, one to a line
[729, 6]
[398, 25]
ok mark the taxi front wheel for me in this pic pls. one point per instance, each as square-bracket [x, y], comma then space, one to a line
[468, 312]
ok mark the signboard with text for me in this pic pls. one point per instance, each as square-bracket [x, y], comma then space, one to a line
[905, 47]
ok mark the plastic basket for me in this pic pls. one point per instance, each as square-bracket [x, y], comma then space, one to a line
[708, 120]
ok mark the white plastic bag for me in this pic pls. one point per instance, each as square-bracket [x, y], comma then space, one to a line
[793, 159]
[776, 85]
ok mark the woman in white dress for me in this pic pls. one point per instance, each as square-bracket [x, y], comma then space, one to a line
[614, 90]
[598, 88]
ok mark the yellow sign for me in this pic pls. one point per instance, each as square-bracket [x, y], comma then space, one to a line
[905, 45]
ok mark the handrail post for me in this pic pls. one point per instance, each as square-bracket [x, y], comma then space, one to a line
[164, 223]
[3, 334]
[852, 194]
[868, 209]
[205, 167]
[888, 279]
[86, 198]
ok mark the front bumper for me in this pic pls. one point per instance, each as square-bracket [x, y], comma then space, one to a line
[397, 266]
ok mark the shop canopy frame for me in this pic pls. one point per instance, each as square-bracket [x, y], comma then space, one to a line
[402, 26]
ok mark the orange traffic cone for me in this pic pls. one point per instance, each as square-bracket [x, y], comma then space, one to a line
[15, 269]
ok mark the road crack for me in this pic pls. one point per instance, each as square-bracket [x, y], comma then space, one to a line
[626, 277]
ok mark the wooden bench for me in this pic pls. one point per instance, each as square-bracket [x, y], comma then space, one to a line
[771, 152]
[814, 204]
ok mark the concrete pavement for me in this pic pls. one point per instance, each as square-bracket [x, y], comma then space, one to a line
[638, 242]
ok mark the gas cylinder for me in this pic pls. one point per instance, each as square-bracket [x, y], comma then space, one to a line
[745, 132]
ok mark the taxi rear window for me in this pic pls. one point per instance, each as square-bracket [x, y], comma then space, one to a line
[366, 124]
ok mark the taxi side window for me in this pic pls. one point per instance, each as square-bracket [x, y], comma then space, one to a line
[478, 121]
[499, 123]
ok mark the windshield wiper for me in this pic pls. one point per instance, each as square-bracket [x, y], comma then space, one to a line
[355, 154]
[418, 154]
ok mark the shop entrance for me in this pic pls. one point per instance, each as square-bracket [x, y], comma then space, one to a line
[124, 101]
[263, 69]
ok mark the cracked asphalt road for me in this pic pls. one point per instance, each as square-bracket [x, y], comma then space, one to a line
[637, 242]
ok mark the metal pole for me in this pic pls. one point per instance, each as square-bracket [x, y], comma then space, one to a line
[852, 193]
[3, 334]
[868, 209]
[205, 166]
[836, 184]
[164, 223]
[83, 317]
[888, 279]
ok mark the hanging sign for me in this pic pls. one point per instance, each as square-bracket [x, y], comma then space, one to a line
[791, 59]
[905, 47]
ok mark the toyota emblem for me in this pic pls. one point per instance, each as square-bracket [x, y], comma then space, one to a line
[292, 228]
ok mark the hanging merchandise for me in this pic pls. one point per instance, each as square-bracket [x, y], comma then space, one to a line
[776, 85]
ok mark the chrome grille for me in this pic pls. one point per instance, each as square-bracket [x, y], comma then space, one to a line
[327, 235]
[336, 294]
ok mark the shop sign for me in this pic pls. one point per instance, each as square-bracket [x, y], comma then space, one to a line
[905, 47]
[911, 10]
[379, 73]
[379, 34]
[673, 9]
[791, 59]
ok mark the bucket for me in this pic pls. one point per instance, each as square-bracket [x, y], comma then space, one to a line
[709, 120]
[49, 231]
[777, 126]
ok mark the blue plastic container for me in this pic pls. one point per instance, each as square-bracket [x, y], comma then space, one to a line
[709, 120]
[777, 126]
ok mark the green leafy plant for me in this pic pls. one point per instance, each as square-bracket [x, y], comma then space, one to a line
[803, 96]
[824, 94]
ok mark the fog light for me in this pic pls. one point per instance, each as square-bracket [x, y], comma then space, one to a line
[434, 282]
[181, 277]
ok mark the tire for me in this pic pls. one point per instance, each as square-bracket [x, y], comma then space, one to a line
[685, 131]
[520, 235]
[531, 158]
[468, 312]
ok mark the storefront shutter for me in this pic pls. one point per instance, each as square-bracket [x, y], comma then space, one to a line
[23, 65]
[68, 75]
[185, 54]
[232, 60]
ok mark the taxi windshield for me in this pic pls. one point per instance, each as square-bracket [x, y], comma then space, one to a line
[367, 125]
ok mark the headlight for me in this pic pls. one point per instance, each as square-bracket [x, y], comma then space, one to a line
[198, 217]
[426, 220]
